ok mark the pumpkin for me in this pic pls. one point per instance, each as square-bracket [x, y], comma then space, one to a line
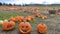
[25, 28]
[58, 12]
[42, 28]
[13, 19]
[37, 15]
[32, 17]
[42, 16]
[45, 16]
[8, 25]
[34, 12]
[29, 18]
[20, 18]
[1, 22]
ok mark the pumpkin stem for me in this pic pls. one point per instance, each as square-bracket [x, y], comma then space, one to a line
[24, 21]
[42, 24]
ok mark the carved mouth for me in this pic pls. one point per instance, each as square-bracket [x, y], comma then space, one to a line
[24, 30]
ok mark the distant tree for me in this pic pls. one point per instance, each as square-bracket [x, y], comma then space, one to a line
[14, 4]
[4, 3]
[0, 3]
[26, 5]
[19, 5]
[10, 4]
[7, 4]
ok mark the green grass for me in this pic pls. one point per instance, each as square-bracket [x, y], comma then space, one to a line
[8, 14]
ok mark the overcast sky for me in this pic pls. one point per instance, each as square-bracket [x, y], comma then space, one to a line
[31, 1]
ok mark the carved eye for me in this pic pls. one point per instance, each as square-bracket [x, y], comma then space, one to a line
[26, 26]
[22, 26]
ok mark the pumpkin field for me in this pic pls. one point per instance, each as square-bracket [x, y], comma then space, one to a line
[39, 14]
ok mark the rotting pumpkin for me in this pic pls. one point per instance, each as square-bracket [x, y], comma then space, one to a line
[42, 28]
[8, 25]
[25, 28]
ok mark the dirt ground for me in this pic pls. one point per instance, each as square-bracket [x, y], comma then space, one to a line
[52, 22]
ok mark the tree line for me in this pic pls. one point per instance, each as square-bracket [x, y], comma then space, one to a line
[1, 4]
[5, 4]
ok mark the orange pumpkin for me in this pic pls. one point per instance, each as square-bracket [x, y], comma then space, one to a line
[37, 15]
[42, 28]
[42, 16]
[13, 19]
[29, 18]
[20, 18]
[32, 17]
[34, 12]
[25, 28]
[8, 25]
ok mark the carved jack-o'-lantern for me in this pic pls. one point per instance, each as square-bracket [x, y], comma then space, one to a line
[42, 28]
[8, 25]
[24, 28]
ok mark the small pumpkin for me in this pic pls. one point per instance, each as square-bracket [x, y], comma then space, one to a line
[32, 17]
[34, 12]
[58, 12]
[25, 28]
[42, 16]
[13, 19]
[29, 18]
[8, 25]
[20, 18]
[42, 28]
[37, 15]
[1, 22]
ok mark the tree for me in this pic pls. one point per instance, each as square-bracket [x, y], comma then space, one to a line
[4, 3]
[0, 3]
[14, 4]
[10, 4]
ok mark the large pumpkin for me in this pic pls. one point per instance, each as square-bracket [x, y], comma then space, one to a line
[42, 28]
[24, 28]
[8, 25]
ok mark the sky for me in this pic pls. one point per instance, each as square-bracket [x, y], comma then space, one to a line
[31, 1]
